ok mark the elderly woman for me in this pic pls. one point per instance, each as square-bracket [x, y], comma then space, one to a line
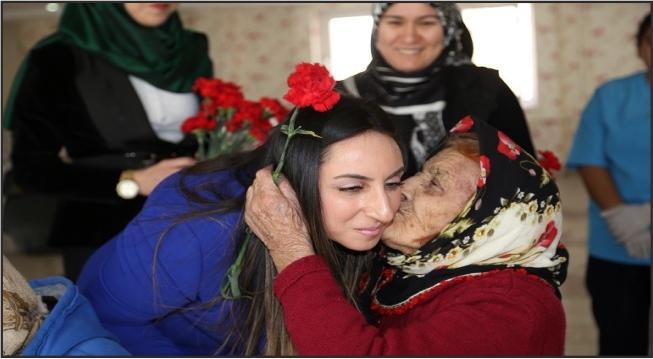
[471, 264]
[422, 75]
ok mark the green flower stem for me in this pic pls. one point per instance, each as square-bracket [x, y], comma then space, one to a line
[234, 272]
[290, 132]
[200, 143]
[231, 282]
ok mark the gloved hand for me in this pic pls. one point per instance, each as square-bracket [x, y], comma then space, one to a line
[639, 245]
[628, 220]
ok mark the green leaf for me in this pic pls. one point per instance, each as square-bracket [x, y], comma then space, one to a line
[305, 132]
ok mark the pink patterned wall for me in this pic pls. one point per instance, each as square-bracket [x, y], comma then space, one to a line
[579, 46]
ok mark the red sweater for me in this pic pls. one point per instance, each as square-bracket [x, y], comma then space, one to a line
[505, 313]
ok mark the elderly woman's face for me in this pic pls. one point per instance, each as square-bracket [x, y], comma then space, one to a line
[431, 199]
[150, 14]
[410, 36]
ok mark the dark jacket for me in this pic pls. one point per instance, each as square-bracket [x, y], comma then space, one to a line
[73, 100]
[476, 91]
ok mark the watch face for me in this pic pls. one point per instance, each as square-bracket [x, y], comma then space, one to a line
[127, 189]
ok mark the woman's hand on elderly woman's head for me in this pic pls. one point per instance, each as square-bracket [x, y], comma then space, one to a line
[274, 215]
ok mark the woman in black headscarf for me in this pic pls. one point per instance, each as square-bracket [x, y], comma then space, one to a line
[422, 75]
[111, 87]
[470, 266]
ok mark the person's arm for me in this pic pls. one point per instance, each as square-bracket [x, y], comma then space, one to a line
[600, 186]
[119, 281]
[45, 111]
[131, 291]
[47, 115]
[505, 314]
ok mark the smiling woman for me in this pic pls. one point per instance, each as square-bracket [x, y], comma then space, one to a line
[191, 231]
[422, 75]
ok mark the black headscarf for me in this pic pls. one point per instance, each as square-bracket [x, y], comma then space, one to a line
[512, 222]
[393, 88]
[167, 56]
[419, 94]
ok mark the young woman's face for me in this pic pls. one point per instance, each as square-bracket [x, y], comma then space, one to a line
[431, 199]
[360, 182]
[150, 14]
[410, 36]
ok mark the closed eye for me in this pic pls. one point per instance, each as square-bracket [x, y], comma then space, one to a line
[352, 189]
[394, 185]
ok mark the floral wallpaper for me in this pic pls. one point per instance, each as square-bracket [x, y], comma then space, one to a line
[579, 46]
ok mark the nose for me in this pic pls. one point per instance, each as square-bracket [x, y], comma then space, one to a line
[380, 206]
[410, 32]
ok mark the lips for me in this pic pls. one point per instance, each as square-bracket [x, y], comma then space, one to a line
[408, 51]
[160, 6]
[372, 232]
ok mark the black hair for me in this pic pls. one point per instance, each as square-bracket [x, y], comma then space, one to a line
[644, 25]
[260, 316]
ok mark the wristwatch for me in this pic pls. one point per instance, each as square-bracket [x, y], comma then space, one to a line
[127, 188]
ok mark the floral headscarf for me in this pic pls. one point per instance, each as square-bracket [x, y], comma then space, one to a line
[22, 311]
[513, 221]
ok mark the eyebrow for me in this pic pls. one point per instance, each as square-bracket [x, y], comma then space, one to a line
[364, 178]
[402, 17]
[437, 171]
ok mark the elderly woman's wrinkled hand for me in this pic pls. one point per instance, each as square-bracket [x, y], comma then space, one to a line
[274, 215]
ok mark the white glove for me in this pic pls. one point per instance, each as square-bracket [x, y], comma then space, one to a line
[639, 245]
[628, 220]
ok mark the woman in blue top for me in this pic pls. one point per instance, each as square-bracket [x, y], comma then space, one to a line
[157, 284]
[612, 152]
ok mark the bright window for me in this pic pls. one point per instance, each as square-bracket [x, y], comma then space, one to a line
[496, 30]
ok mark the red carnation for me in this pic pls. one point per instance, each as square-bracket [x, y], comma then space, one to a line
[198, 122]
[312, 85]
[274, 107]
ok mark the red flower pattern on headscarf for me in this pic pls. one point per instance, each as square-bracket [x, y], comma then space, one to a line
[485, 171]
[507, 146]
[548, 236]
[463, 125]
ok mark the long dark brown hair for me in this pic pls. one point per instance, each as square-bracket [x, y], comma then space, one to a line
[258, 315]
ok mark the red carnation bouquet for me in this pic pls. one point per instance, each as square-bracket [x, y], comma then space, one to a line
[310, 85]
[227, 122]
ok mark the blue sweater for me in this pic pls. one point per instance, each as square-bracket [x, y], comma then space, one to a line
[71, 328]
[139, 303]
